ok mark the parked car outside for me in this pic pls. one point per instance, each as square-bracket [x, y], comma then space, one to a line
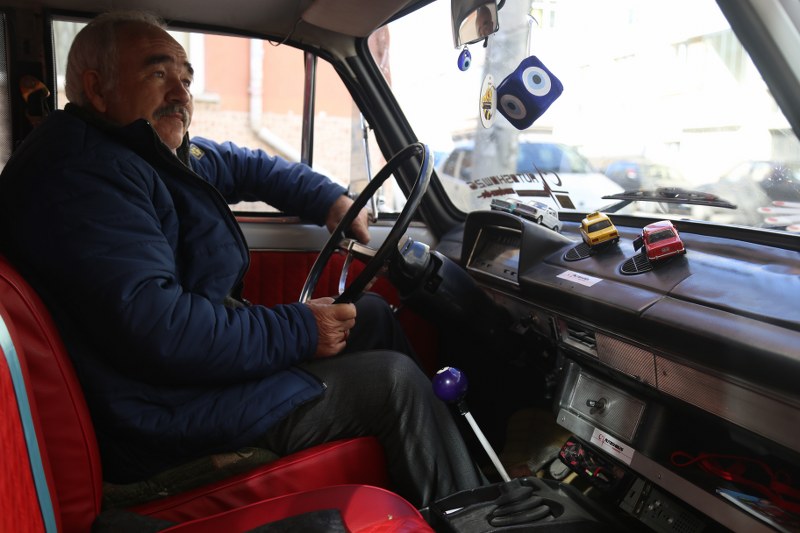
[660, 240]
[780, 180]
[573, 182]
[752, 186]
[638, 174]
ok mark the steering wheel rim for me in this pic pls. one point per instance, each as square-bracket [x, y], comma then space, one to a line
[354, 290]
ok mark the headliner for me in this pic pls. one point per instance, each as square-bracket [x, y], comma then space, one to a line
[300, 20]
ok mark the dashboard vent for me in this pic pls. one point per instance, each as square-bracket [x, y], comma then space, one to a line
[636, 265]
[577, 336]
[578, 252]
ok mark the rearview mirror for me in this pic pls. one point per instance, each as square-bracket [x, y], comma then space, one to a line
[473, 20]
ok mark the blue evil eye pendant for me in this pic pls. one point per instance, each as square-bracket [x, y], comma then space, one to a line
[527, 92]
[464, 59]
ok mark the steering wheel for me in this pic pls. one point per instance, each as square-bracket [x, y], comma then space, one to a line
[374, 259]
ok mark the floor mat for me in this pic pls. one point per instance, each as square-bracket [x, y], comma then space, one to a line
[533, 441]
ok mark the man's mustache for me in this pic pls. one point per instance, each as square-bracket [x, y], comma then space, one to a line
[172, 109]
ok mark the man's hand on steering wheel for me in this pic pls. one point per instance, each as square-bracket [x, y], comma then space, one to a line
[334, 322]
[374, 260]
[359, 229]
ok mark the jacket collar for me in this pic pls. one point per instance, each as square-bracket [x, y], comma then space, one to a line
[138, 135]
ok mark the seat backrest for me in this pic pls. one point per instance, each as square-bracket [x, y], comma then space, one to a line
[67, 430]
[27, 502]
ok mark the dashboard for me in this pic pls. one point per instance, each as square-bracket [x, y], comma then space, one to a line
[663, 370]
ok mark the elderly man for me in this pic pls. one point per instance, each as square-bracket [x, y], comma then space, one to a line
[124, 227]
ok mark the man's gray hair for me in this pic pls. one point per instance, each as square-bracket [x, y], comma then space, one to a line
[95, 48]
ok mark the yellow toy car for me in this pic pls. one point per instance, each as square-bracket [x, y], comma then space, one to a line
[597, 230]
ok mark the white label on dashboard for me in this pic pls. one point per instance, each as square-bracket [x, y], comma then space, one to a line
[618, 449]
[583, 279]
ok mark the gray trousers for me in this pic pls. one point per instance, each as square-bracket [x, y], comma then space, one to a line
[383, 393]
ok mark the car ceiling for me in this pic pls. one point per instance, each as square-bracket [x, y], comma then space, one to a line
[300, 20]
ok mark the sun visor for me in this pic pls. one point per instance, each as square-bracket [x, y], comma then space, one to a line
[352, 17]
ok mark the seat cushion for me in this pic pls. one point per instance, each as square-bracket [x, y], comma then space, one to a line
[359, 460]
[200, 472]
[363, 509]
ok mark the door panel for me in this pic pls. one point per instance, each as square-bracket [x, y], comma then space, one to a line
[282, 252]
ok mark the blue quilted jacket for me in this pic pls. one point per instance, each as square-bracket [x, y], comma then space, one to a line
[136, 252]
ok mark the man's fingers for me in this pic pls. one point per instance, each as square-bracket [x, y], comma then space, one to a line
[344, 312]
[325, 300]
[334, 322]
[360, 227]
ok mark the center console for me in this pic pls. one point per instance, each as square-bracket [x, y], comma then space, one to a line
[522, 504]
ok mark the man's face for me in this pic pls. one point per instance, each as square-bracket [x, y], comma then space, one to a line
[483, 21]
[154, 78]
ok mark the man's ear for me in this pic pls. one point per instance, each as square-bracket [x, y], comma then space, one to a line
[93, 89]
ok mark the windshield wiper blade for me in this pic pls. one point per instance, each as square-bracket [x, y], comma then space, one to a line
[669, 195]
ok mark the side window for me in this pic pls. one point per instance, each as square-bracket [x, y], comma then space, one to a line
[239, 98]
[339, 141]
[250, 92]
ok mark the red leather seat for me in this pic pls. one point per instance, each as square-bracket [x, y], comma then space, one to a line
[364, 509]
[71, 448]
[28, 501]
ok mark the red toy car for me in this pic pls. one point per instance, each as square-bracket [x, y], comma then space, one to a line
[660, 240]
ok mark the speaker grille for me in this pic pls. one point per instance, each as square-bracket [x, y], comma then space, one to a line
[632, 360]
[774, 418]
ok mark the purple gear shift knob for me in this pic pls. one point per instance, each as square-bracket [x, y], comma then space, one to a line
[450, 384]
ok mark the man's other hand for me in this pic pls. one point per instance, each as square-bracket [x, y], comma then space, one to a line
[334, 322]
[360, 226]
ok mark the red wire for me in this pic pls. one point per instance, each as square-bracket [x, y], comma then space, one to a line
[775, 491]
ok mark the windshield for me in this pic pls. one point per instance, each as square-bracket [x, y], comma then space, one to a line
[657, 94]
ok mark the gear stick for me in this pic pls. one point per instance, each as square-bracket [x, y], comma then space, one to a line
[450, 385]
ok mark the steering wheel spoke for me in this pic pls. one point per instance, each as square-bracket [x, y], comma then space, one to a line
[374, 260]
[354, 250]
[362, 252]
